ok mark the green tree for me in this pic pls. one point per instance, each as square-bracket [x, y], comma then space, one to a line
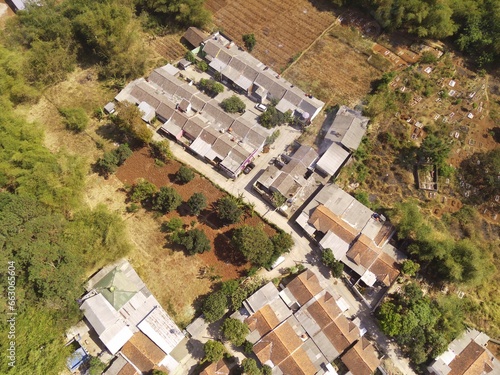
[96, 367]
[235, 331]
[161, 150]
[194, 240]
[410, 267]
[189, 56]
[228, 209]
[75, 119]
[184, 175]
[129, 118]
[254, 244]
[107, 164]
[249, 366]
[210, 87]
[214, 307]
[389, 318]
[250, 41]
[143, 191]
[185, 12]
[434, 149]
[282, 242]
[328, 259]
[278, 199]
[214, 351]
[166, 200]
[233, 104]
[197, 203]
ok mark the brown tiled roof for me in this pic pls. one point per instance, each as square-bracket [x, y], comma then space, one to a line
[297, 364]
[335, 336]
[384, 233]
[216, 368]
[473, 360]
[363, 252]
[362, 358]
[305, 286]
[263, 320]
[277, 345]
[128, 369]
[324, 220]
[143, 352]
[385, 269]
[348, 328]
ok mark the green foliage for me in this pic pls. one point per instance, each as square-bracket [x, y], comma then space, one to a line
[423, 327]
[166, 200]
[174, 224]
[272, 117]
[428, 58]
[111, 160]
[184, 175]
[254, 244]
[189, 56]
[210, 87]
[158, 372]
[282, 242]
[250, 41]
[214, 351]
[433, 149]
[235, 331]
[215, 306]
[161, 150]
[481, 170]
[143, 191]
[197, 203]
[250, 367]
[202, 65]
[75, 119]
[195, 241]
[96, 367]
[273, 137]
[266, 370]
[336, 266]
[228, 209]
[247, 347]
[410, 267]
[278, 199]
[128, 118]
[184, 12]
[233, 104]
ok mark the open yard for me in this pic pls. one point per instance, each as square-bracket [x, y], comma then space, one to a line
[282, 28]
[158, 261]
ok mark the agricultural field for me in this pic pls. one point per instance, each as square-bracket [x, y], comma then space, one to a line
[282, 29]
[167, 47]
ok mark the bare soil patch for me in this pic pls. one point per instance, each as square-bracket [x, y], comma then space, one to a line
[177, 279]
[282, 28]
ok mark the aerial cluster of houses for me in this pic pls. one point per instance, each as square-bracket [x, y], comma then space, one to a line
[197, 121]
[130, 322]
[303, 328]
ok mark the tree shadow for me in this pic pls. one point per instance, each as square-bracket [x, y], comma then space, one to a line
[110, 132]
[225, 251]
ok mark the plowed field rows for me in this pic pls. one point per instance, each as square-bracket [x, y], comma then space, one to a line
[282, 28]
[169, 46]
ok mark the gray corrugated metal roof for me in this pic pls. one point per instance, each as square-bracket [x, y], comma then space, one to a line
[332, 159]
[262, 297]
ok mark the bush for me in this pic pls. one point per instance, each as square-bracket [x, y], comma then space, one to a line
[197, 203]
[250, 41]
[283, 242]
[428, 58]
[250, 367]
[409, 267]
[75, 119]
[247, 347]
[202, 65]
[173, 225]
[132, 208]
[184, 175]
[228, 209]
[235, 331]
[233, 104]
[142, 191]
[189, 56]
[195, 241]
[214, 307]
[167, 200]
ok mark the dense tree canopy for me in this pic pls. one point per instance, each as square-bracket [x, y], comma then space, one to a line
[195, 241]
[228, 209]
[481, 170]
[235, 331]
[167, 199]
[214, 306]
[254, 243]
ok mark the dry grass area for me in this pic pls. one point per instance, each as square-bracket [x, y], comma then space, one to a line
[282, 28]
[335, 71]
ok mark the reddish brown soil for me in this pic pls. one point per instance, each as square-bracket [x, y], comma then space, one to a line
[223, 260]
